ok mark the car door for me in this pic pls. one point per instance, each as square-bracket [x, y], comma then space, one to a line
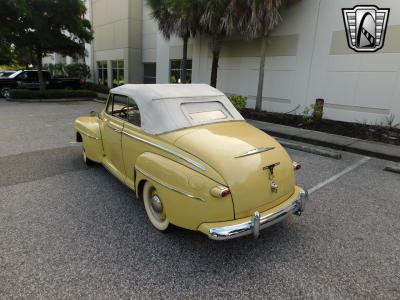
[29, 80]
[33, 80]
[113, 124]
[131, 140]
[23, 80]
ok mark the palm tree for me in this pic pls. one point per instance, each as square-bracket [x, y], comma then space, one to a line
[186, 15]
[162, 13]
[255, 19]
[180, 17]
[212, 21]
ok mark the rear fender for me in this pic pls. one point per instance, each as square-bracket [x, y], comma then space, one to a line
[184, 192]
[88, 129]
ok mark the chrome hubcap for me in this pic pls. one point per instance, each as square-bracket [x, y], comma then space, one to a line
[6, 93]
[157, 206]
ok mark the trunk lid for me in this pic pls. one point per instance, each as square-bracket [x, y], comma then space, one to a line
[236, 150]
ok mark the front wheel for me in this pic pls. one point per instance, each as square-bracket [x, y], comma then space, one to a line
[87, 160]
[154, 207]
[5, 92]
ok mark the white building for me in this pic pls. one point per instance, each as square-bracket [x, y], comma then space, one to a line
[308, 58]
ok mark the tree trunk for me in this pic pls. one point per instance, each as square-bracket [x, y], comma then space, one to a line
[184, 59]
[39, 58]
[216, 45]
[261, 73]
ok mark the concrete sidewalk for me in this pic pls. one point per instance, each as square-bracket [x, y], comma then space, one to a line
[375, 149]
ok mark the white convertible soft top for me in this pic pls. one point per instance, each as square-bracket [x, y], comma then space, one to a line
[168, 107]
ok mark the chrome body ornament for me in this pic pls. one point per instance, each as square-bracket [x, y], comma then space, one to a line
[255, 151]
[274, 187]
[170, 151]
[271, 168]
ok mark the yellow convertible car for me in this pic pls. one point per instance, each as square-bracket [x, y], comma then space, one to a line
[193, 160]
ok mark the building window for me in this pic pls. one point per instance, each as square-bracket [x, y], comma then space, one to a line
[175, 71]
[149, 72]
[102, 72]
[118, 72]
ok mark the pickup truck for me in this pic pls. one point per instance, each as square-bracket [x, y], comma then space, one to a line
[29, 79]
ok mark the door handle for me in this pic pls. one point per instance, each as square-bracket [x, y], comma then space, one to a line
[116, 129]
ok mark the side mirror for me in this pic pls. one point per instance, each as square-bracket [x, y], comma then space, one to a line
[93, 114]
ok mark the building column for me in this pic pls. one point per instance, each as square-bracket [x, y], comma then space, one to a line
[196, 56]
[162, 72]
[109, 73]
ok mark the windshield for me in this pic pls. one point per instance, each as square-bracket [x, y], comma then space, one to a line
[6, 73]
[15, 74]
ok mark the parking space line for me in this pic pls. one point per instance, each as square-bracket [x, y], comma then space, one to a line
[338, 175]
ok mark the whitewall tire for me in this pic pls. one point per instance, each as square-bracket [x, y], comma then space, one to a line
[154, 207]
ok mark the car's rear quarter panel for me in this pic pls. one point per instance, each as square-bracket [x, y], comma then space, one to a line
[176, 185]
[132, 148]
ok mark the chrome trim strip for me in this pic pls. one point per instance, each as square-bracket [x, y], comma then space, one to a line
[119, 130]
[258, 222]
[88, 135]
[255, 151]
[168, 186]
[93, 137]
[177, 154]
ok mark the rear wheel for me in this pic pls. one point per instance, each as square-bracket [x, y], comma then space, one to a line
[5, 92]
[154, 207]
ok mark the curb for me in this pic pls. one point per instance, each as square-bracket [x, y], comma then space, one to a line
[103, 101]
[394, 168]
[342, 143]
[102, 96]
[313, 150]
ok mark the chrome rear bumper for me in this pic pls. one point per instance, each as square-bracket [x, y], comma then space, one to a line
[259, 221]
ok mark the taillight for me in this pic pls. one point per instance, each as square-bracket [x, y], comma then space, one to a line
[220, 191]
[296, 166]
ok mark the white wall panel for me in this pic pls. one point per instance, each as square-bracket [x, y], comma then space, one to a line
[356, 87]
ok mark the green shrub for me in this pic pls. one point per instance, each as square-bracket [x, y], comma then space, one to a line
[239, 102]
[311, 114]
[81, 71]
[56, 70]
[99, 88]
[51, 94]
[389, 122]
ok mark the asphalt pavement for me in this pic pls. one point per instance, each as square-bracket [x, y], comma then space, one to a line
[72, 231]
